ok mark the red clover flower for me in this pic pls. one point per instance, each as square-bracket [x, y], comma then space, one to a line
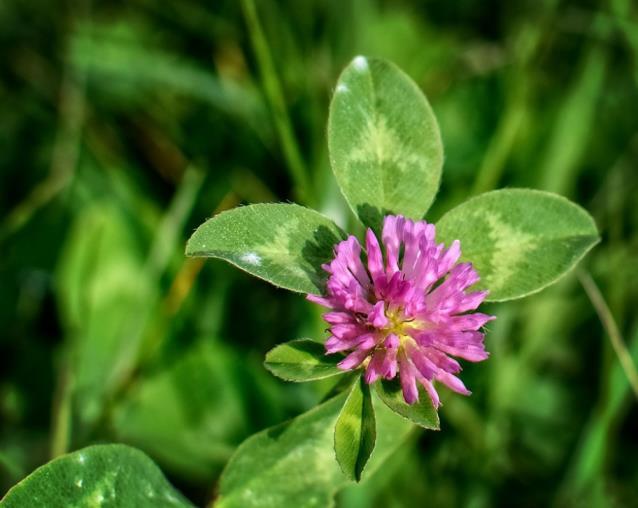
[408, 316]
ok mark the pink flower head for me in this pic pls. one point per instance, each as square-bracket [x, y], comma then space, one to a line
[407, 316]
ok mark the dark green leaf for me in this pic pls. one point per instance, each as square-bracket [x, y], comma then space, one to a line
[355, 431]
[102, 475]
[302, 360]
[422, 412]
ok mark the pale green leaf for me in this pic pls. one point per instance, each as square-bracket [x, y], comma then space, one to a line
[519, 240]
[302, 360]
[104, 295]
[385, 146]
[355, 431]
[285, 244]
[293, 464]
[422, 412]
[102, 475]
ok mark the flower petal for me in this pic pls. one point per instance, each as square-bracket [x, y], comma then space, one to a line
[375, 258]
[453, 382]
[377, 317]
[407, 376]
[432, 393]
[354, 359]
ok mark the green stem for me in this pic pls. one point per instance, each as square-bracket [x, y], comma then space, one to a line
[585, 473]
[621, 10]
[167, 237]
[61, 416]
[610, 326]
[275, 97]
[502, 144]
[574, 125]
[527, 45]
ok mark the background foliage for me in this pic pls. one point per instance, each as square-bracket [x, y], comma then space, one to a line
[125, 124]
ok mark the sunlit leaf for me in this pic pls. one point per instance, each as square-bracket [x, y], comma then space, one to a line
[385, 145]
[102, 475]
[519, 240]
[285, 244]
[293, 464]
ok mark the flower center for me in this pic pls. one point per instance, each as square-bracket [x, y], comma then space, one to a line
[398, 322]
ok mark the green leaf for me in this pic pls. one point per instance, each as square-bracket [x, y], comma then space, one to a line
[422, 412]
[519, 240]
[355, 431]
[293, 464]
[385, 145]
[284, 244]
[302, 360]
[102, 475]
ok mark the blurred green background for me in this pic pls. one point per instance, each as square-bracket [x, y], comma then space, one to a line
[125, 124]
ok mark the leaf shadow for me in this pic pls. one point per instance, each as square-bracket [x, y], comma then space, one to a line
[276, 432]
[318, 251]
[372, 216]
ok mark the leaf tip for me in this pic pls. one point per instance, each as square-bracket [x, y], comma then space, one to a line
[360, 63]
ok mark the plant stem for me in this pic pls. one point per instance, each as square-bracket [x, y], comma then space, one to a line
[610, 326]
[61, 414]
[502, 143]
[572, 130]
[527, 45]
[275, 97]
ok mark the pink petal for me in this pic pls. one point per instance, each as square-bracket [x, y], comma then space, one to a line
[450, 257]
[375, 258]
[407, 376]
[325, 302]
[377, 316]
[354, 359]
[433, 394]
[334, 318]
[392, 237]
[375, 368]
[453, 382]
[469, 321]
